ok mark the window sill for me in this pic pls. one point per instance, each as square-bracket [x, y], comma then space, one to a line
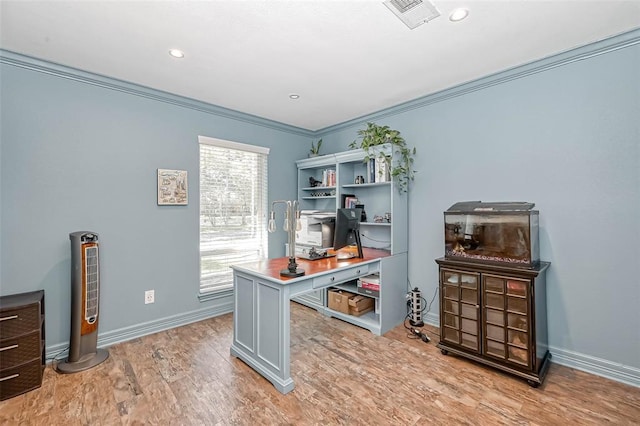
[216, 294]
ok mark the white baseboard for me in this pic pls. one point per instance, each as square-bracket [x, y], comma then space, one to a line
[587, 363]
[432, 319]
[124, 334]
[598, 366]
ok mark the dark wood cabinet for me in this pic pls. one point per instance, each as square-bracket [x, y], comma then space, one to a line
[22, 343]
[495, 315]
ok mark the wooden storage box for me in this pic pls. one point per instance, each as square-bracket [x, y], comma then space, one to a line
[349, 303]
[359, 305]
[339, 300]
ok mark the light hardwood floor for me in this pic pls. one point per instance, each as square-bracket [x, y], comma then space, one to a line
[343, 375]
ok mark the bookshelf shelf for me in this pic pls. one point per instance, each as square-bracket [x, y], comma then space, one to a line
[366, 185]
[318, 188]
[319, 197]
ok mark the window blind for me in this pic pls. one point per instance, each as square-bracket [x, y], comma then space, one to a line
[233, 209]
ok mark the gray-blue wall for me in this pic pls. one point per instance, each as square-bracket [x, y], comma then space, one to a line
[561, 132]
[81, 155]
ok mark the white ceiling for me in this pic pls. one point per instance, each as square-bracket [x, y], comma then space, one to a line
[345, 59]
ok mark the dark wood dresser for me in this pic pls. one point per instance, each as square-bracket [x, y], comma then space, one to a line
[22, 343]
[495, 315]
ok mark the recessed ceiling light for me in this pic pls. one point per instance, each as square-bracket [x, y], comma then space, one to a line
[294, 96]
[458, 14]
[176, 53]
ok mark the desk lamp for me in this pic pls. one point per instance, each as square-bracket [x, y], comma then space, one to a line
[291, 225]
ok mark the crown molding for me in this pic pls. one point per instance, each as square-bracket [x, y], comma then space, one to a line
[612, 44]
[62, 71]
[598, 48]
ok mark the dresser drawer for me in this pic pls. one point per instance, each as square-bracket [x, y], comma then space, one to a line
[15, 322]
[20, 379]
[341, 276]
[17, 350]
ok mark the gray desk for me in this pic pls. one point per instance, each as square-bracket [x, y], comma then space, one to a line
[261, 335]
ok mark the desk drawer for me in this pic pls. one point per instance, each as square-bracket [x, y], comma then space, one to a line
[341, 276]
[15, 322]
[18, 350]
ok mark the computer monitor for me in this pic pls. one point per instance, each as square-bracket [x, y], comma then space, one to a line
[347, 230]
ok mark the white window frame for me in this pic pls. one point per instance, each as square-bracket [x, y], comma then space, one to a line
[206, 291]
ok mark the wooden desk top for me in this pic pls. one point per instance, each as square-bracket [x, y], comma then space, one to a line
[270, 268]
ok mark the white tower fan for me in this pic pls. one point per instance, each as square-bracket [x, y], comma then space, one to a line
[85, 298]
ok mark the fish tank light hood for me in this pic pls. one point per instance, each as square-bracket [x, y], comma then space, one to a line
[495, 207]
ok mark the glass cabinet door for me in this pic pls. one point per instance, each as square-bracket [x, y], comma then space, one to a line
[518, 336]
[506, 319]
[459, 308]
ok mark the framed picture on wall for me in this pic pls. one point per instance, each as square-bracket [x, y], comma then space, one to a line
[172, 187]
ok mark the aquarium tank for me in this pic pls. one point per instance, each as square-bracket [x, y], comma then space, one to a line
[492, 232]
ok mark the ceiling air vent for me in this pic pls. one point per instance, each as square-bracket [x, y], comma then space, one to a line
[413, 12]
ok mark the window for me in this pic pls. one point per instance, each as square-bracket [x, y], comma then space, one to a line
[233, 210]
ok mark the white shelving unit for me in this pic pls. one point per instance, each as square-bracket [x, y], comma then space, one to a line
[379, 199]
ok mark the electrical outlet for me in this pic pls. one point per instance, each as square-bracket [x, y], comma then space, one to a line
[149, 296]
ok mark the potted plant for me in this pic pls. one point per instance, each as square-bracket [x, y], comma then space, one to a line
[315, 148]
[374, 135]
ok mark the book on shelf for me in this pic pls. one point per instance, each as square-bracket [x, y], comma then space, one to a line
[371, 170]
[344, 199]
[350, 202]
[382, 170]
[378, 170]
[329, 177]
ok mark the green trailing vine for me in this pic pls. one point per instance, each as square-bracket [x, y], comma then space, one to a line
[374, 135]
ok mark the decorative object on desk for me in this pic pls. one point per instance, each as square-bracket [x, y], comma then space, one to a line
[291, 224]
[374, 135]
[172, 187]
[315, 148]
[316, 254]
